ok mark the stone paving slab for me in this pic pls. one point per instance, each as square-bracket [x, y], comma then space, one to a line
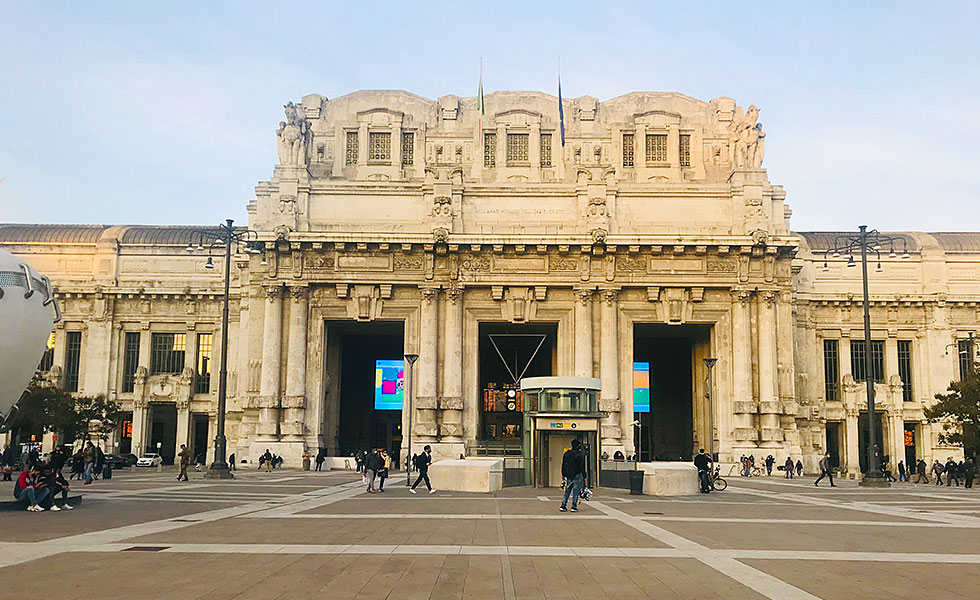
[793, 511]
[92, 515]
[425, 503]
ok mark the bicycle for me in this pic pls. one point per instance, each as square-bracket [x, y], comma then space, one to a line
[717, 482]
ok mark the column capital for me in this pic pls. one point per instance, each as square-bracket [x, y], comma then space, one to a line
[610, 295]
[770, 297]
[299, 292]
[741, 295]
[454, 293]
[272, 292]
[584, 295]
[428, 294]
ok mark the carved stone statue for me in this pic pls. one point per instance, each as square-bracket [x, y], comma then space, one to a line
[292, 137]
[748, 139]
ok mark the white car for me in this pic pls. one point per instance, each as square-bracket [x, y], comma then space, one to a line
[149, 460]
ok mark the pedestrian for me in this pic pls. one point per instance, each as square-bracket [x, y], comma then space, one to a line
[937, 470]
[56, 483]
[573, 471]
[901, 472]
[799, 468]
[371, 468]
[319, 460]
[703, 463]
[422, 462]
[952, 472]
[920, 470]
[99, 461]
[183, 459]
[770, 461]
[385, 466]
[887, 470]
[969, 471]
[231, 462]
[32, 488]
[789, 467]
[825, 470]
[359, 460]
[88, 456]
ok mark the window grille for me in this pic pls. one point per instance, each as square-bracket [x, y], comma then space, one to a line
[73, 358]
[408, 148]
[627, 149]
[517, 147]
[47, 359]
[545, 149]
[379, 146]
[131, 358]
[167, 352]
[202, 382]
[656, 148]
[877, 360]
[831, 373]
[685, 150]
[489, 150]
[905, 368]
[351, 155]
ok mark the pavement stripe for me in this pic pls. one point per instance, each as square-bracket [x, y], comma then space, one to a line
[388, 516]
[815, 522]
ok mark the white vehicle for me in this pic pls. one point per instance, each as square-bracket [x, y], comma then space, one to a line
[149, 460]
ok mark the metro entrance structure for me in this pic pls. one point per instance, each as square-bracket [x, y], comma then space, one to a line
[646, 240]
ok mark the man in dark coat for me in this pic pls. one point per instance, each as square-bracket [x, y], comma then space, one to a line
[703, 463]
[825, 470]
[573, 470]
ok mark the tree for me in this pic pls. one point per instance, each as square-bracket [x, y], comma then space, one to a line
[43, 408]
[959, 412]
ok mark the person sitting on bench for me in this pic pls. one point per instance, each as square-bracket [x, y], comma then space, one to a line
[31, 487]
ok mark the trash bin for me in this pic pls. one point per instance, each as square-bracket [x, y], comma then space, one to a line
[636, 483]
[306, 463]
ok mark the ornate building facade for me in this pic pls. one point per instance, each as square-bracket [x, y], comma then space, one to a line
[643, 232]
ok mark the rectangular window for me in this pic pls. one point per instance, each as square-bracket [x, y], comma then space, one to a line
[202, 382]
[877, 360]
[545, 149]
[73, 358]
[905, 368]
[379, 147]
[47, 359]
[964, 348]
[489, 150]
[167, 352]
[131, 359]
[408, 148]
[685, 150]
[517, 147]
[831, 369]
[627, 149]
[351, 153]
[656, 148]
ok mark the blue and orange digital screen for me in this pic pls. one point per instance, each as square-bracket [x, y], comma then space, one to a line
[641, 387]
[389, 383]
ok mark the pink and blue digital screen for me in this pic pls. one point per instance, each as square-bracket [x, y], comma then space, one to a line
[389, 383]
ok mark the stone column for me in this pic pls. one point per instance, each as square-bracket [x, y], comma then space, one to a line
[501, 155]
[294, 404]
[745, 407]
[140, 410]
[451, 400]
[583, 333]
[424, 425]
[769, 407]
[852, 458]
[269, 382]
[612, 432]
[183, 423]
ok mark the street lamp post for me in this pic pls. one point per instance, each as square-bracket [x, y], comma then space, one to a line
[224, 237]
[863, 241]
[410, 359]
[710, 363]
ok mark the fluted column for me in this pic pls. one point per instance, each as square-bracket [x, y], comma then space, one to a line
[294, 404]
[269, 381]
[769, 407]
[583, 333]
[424, 425]
[745, 407]
[612, 431]
[451, 401]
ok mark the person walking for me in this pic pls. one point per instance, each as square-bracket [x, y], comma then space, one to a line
[789, 467]
[703, 463]
[937, 470]
[573, 471]
[319, 460]
[183, 459]
[920, 470]
[886, 468]
[770, 461]
[88, 456]
[231, 462]
[825, 470]
[952, 472]
[969, 472]
[422, 462]
[901, 472]
[267, 458]
[383, 473]
[799, 468]
[372, 467]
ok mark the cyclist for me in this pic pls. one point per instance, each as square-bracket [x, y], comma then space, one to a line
[703, 462]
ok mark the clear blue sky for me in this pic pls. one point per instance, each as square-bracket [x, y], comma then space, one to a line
[164, 112]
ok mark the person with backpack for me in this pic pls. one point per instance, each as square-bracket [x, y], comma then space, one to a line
[422, 462]
[573, 471]
[385, 466]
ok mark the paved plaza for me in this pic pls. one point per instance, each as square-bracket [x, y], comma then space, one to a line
[294, 534]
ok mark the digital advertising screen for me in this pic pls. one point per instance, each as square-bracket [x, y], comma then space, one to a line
[641, 387]
[389, 383]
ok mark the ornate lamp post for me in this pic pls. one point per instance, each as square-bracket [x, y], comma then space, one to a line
[244, 240]
[410, 359]
[847, 245]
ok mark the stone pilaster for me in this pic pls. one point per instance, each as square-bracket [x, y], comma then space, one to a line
[269, 382]
[744, 405]
[451, 400]
[139, 410]
[612, 428]
[769, 406]
[424, 423]
[294, 404]
[583, 333]
[852, 459]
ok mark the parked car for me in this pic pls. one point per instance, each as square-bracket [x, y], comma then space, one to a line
[149, 460]
[121, 461]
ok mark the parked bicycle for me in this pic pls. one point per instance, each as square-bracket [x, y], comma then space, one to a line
[718, 483]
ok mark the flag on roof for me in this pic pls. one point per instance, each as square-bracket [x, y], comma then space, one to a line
[561, 111]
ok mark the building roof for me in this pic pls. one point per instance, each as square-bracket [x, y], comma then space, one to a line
[819, 241]
[50, 234]
[958, 241]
